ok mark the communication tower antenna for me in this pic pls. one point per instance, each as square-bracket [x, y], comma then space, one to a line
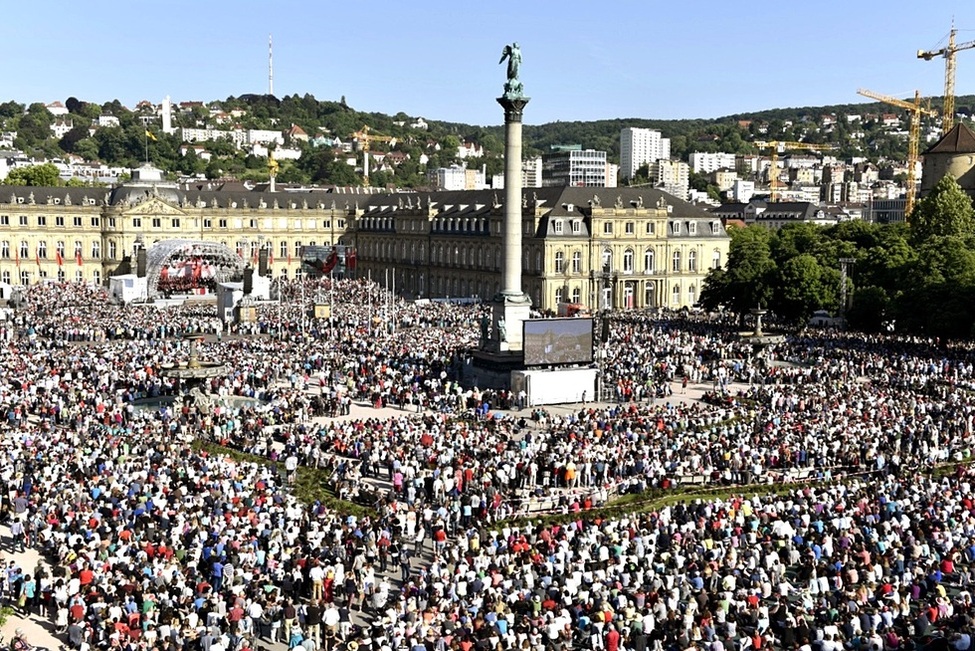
[270, 66]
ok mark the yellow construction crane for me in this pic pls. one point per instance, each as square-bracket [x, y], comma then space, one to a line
[913, 139]
[948, 52]
[364, 138]
[783, 145]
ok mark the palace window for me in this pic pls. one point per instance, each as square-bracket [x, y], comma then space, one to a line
[648, 261]
[559, 261]
[692, 261]
[676, 262]
[576, 262]
[628, 261]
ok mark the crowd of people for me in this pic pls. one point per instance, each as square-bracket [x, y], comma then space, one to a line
[151, 540]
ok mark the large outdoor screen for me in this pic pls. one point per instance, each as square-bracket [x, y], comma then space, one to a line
[557, 341]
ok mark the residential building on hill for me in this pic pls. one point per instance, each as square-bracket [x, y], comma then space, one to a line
[574, 167]
[672, 176]
[707, 162]
[640, 147]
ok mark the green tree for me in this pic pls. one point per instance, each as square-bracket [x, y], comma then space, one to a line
[803, 287]
[870, 310]
[45, 175]
[750, 277]
[946, 210]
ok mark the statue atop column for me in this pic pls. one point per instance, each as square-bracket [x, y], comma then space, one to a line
[513, 88]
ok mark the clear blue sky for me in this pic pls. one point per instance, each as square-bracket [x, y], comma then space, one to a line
[439, 59]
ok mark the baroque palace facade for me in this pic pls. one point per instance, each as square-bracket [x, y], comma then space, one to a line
[633, 248]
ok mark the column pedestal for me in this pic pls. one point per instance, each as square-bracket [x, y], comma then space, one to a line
[512, 311]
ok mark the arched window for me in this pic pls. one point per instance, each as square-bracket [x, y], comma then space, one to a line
[607, 260]
[96, 250]
[25, 277]
[283, 249]
[648, 261]
[628, 261]
[42, 250]
[5, 277]
[691, 295]
[5, 251]
[24, 251]
[112, 250]
[692, 261]
[559, 261]
[716, 259]
[79, 276]
[576, 295]
[675, 295]
[60, 275]
[558, 294]
[96, 277]
[676, 262]
[576, 262]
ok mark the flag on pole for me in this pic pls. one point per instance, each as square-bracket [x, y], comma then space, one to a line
[58, 257]
[289, 258]
[350, 258]
[77, 256]
[150, 135]
[17, 257]
[270, 255]
[37, 256]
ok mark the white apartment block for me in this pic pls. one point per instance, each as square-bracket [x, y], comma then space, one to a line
[639, 147]
[458, 178]
[531, 172]
[672, 176]
[707, 162]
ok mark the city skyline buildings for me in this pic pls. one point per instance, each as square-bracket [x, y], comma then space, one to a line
[221, 52]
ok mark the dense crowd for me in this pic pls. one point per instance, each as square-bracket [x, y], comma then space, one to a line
[151, 542]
